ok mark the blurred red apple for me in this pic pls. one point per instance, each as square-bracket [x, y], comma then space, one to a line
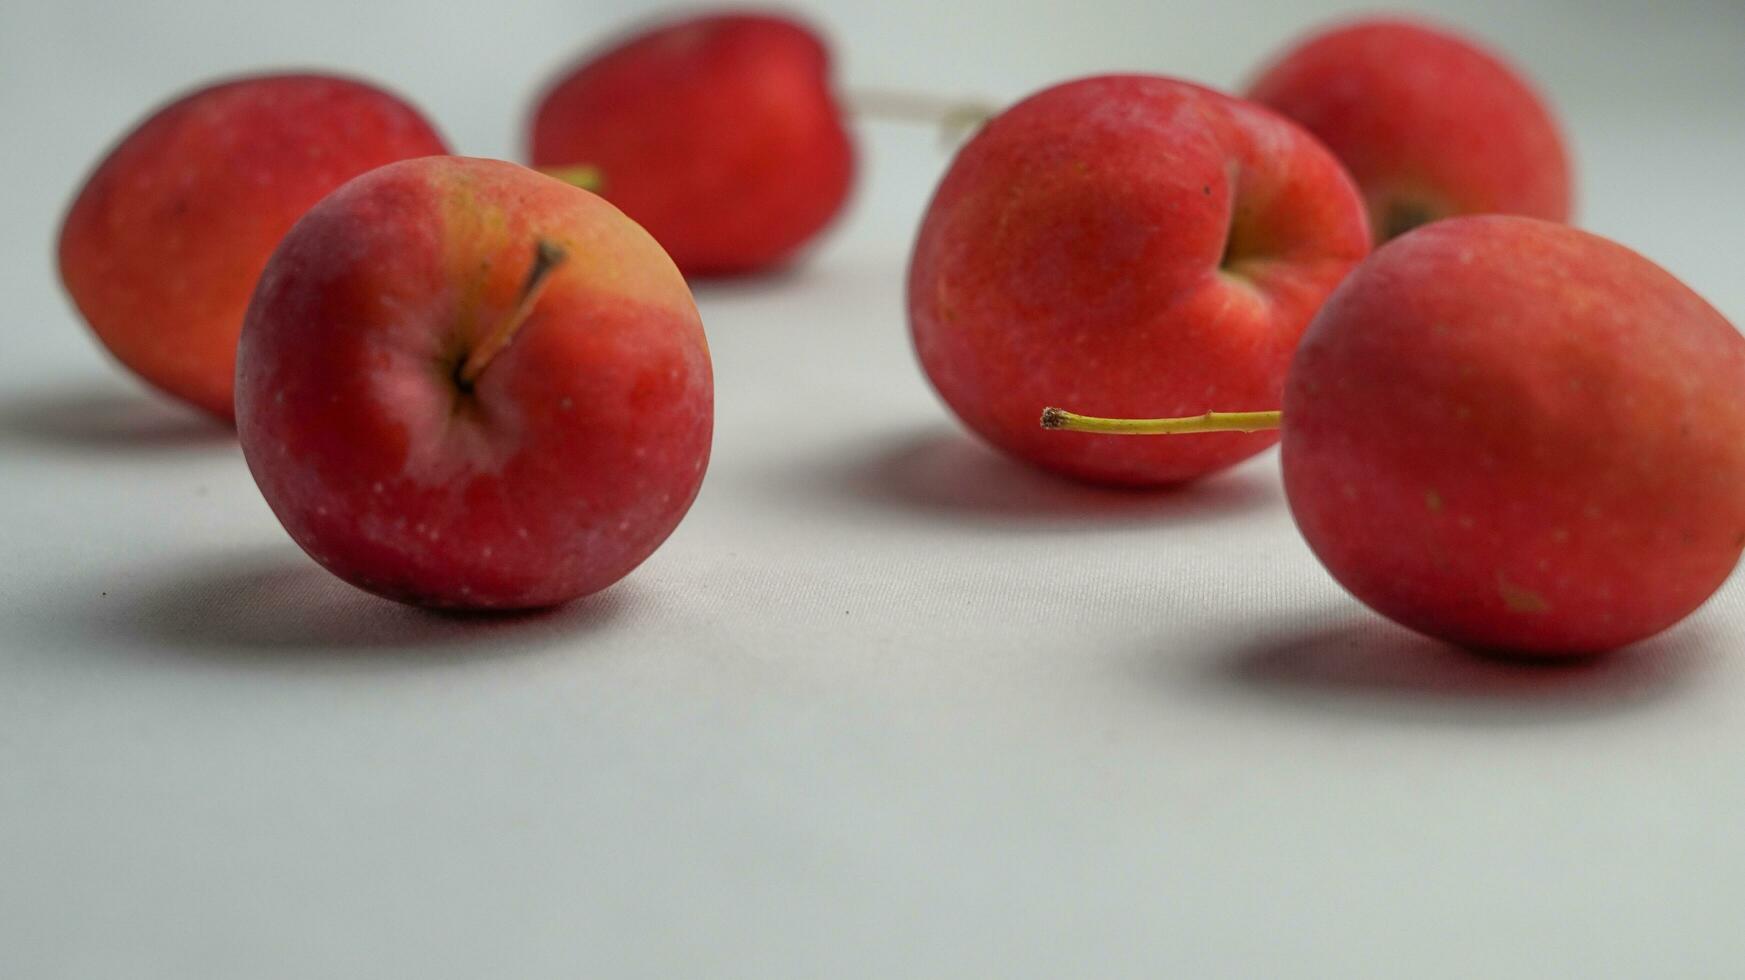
[718, 133]
[165, 241]
[466, 384]
[1429, 123]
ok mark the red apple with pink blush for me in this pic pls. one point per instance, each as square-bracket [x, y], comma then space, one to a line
[465, 384]
[162, 247]
[718, 133]
[1512, 435]
[1429, 123]
[1131, 244]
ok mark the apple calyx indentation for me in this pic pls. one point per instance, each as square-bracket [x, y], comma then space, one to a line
[1243, 241]
[1402, 214]
[547, 256]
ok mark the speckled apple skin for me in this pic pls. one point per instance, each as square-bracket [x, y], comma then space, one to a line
[162, 247]
[1517, 436]
[1127, 246]
[1429, 123]
[576, 453]
[720, 134]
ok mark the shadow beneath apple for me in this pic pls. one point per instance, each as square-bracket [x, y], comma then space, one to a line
[1370, 667]
[280, 607]
[106, 418]
[946, 474]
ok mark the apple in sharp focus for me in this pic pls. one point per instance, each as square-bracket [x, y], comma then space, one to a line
[1515, 435]
[466, 384]
[1137, 245]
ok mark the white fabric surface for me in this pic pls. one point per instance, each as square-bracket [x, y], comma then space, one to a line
[886, 704]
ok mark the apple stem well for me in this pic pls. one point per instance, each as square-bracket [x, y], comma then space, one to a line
[547, 256]
[585, 176]
[1055, 418]
[955, 117]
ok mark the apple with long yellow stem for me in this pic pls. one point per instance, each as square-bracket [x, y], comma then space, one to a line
[1512, 435]
[1138, 244]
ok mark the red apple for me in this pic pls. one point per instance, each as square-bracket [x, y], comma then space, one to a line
[1513, 435]
[465, 384]
[164, 243]
[1429, 123]
[1136, 246]
[718, 133]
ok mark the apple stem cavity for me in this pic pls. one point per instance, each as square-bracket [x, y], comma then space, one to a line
[1055, 418]
[955, 117]
[547, 256]
[585, 176]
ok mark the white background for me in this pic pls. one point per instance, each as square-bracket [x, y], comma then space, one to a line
[886, 704]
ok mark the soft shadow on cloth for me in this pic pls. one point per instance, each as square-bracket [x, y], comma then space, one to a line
[1350, 664]
[276, 605]
[106, 417]
[942, 473]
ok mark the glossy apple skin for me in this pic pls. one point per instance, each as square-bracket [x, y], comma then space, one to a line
[162, 247]
[719, 134]
[1429, 123]
[1131, 246]
[576, 453]
[1513, 435]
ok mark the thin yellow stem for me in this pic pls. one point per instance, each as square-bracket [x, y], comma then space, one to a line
[1054, 418]
[546, 257]
[585, 176]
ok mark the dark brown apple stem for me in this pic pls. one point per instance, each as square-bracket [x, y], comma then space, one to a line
[546, 257]
[586, 176]
[1054, 418]
[955, 117]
